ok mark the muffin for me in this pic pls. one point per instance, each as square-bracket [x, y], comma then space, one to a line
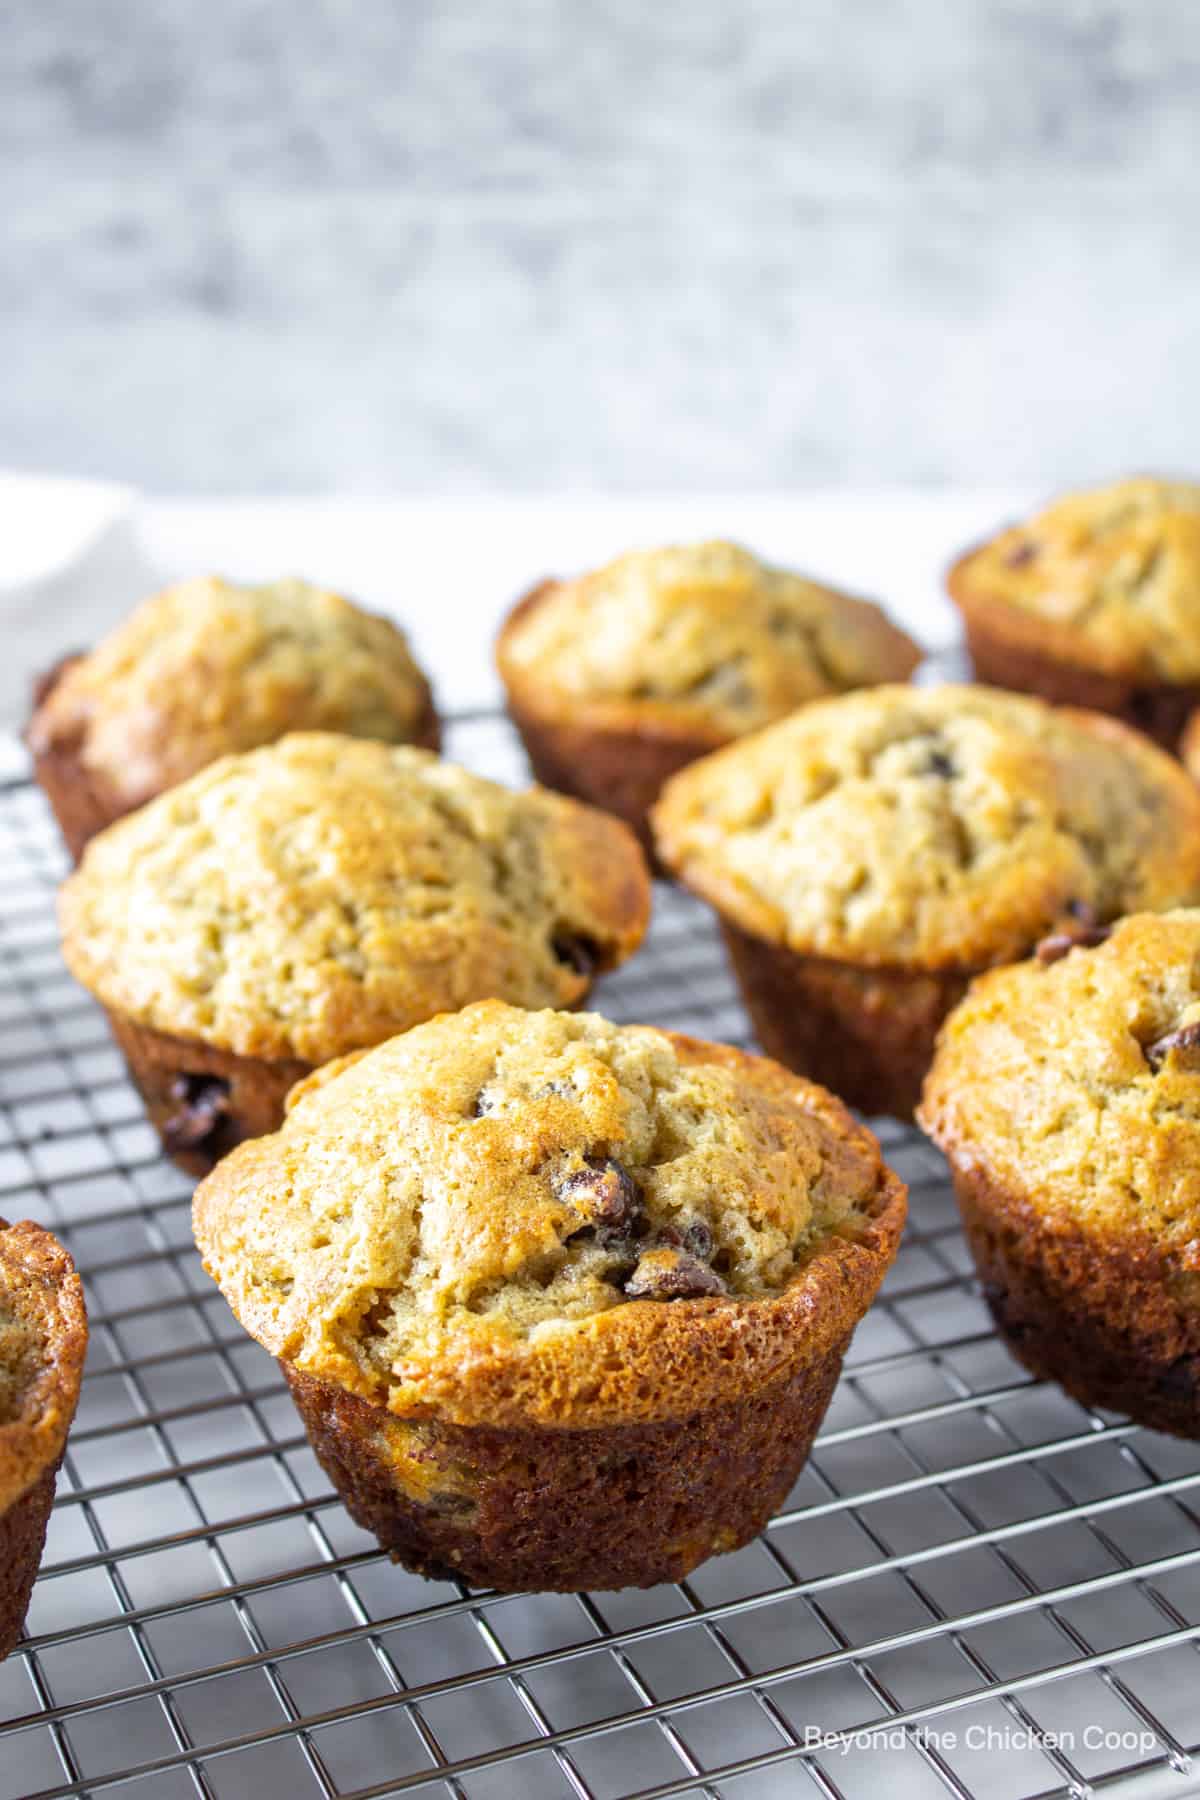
[870, 854]
[617, 679]
[210, 667]
[1064, 1093]
[294, 903]
[1095, 602]
[43, 1339]
[561, 1303]
[1189, 746]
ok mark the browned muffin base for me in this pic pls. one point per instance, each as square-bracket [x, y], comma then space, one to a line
[1099, 1318]
[81, 802]
[22, 1539]
[203, 1101]
[619, 771]
[84, 804]
[866, 1033]
[1160, 709]
[545, 1510]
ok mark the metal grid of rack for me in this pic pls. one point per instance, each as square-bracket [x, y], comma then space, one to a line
[976, 1587]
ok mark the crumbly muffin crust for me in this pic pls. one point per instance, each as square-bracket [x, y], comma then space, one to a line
[515, 1219]
[1108, 579]
[323, 892]
[211, 666]
[43, 1338]
[932, 829]
[705, 639]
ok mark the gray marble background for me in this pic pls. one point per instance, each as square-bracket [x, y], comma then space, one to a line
[598, 244]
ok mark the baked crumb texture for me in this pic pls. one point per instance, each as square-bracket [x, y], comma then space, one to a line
[1094, 601]
[43, 1339]
[622, 676]
[209, 667]
[871, 852]
[1066, 1094]
[561, 1303]
[324, 892]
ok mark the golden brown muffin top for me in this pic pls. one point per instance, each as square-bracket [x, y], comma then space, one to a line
[1078, 1081]
[324, 892]
[932, 828]
[43, 1339]
[506, 1216]
[704, 637]
[209, 666]
[1109, 578]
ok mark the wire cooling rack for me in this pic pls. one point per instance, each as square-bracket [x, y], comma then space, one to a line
[977, 1586]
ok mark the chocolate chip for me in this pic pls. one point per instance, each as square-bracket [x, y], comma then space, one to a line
[1089, 936]
[1082, 937]
[672, 1275]
[487, 1099]
[605, 1197]
[578, 953]
[692, 1235]
[1020, 554]
[1183, 1041]
[203, 1101]
[940, 764]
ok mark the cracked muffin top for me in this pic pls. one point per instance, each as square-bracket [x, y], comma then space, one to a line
[1109, 578]
[43, 1338]
[323, 892]
[932, 828]
[704, 637]
[209, 667]
[504, 1214]
[1081, 1073]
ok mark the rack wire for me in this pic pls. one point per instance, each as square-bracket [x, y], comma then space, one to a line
[977, 1586]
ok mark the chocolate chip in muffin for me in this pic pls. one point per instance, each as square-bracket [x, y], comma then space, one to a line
[1185, 1043]
[203, 1101]
[692, 1235]
[1081, 937]
[605, 1198]
[487, 1100]
[574, 952]
[666, 1274]
[1021, 554]
[942, 765]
